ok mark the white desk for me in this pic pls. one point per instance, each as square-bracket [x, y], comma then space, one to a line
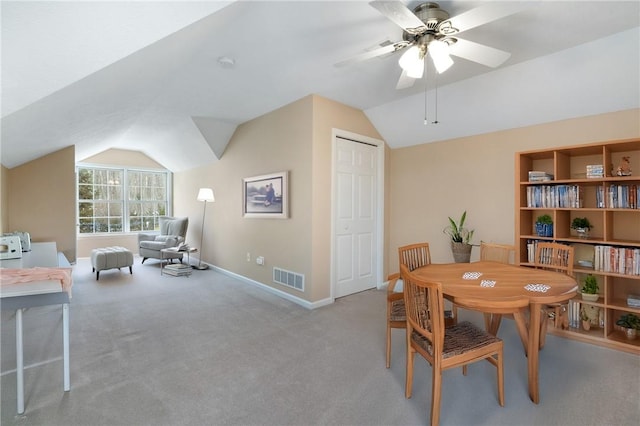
[31, 294]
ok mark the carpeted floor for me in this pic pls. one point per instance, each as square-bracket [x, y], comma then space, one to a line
[211, 350]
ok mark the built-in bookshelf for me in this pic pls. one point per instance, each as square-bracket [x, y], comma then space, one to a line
[582, 181]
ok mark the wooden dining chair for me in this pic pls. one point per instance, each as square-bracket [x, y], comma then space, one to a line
[494, 252]
[443, 347]
[414, 256]
[553, 257]
[502, 253]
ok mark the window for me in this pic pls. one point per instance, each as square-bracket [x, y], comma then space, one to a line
[121, 199]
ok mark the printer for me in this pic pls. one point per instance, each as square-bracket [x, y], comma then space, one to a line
[10, 247]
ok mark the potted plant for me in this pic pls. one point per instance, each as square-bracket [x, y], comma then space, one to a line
[589, 290]
[460, 239]
[544, 226]
[582, 226]
[631, 324]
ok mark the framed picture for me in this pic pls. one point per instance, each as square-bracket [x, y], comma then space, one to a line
[266, 196]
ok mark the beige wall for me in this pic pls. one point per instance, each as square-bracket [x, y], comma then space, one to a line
[4, 199]
[118, 158]
[41, 200]
[431, 182]
[295, 138]
[123, 158]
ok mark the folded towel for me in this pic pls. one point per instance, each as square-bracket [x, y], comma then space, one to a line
[12, 276]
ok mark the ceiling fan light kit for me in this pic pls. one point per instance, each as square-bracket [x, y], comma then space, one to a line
[430, 29]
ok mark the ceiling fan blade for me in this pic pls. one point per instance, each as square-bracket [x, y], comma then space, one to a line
[404, 81]
[480, 15]
[373, 53]
[479, 53]
[398, 13]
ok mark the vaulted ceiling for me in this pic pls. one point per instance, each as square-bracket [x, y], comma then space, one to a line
[148, 76]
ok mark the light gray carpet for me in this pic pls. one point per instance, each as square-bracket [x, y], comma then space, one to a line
[211, 350]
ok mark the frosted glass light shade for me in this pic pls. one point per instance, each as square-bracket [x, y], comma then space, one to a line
[439, 51]
[412, 62]
[206, 195]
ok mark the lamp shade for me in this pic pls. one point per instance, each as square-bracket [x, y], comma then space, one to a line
[439, 51]
[206, 195]
[412, 61]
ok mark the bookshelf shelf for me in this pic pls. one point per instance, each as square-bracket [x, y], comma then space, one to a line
[612, 205]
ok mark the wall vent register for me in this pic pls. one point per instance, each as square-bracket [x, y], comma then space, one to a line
[288, 278]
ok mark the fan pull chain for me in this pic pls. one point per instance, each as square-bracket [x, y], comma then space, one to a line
[436, 113]
[425, 100]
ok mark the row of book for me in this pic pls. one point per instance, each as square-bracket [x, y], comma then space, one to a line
[177, 270]
[555, 196]
[571, 196]
[618, 197]
[618, 260]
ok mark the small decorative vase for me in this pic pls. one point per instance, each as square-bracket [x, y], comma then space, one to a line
[544, 229]
[630, 333]
[586, 324]
[582, 233]
[589, 297]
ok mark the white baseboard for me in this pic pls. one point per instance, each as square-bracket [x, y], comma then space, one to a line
[279, 293]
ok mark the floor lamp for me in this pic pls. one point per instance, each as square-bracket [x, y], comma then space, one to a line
[206, 195]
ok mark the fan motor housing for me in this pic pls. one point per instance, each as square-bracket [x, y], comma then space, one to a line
[431, 15]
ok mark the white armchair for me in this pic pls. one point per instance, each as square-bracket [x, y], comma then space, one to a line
[173, 231]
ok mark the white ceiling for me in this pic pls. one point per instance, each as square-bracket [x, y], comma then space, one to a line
[145, 75]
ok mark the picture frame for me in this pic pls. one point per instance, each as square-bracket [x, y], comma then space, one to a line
[266, 196]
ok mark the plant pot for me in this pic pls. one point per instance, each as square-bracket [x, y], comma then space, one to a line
[582, 232]
[544, 229]
[630, 333]
[461, 252]
[590, 297]
[586, 324]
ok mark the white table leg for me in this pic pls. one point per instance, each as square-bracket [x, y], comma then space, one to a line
[19, 362]
[65, 345]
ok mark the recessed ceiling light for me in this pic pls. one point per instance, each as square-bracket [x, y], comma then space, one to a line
[226, 62]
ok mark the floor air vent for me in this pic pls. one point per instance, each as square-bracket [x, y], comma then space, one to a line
[288, 278]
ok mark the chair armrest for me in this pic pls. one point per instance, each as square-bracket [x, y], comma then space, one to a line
[393, 279]
[147, 237]
[170, 240]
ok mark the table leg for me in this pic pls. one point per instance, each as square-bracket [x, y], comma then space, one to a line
[532, 352]
[65, 346]
[19, 362]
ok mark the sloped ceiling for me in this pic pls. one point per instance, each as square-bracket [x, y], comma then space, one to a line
[146, 75]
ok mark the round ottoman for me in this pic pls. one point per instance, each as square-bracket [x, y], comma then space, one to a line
[110, 258]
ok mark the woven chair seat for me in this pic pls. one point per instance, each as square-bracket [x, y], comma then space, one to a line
[398, 312]
[458, 339]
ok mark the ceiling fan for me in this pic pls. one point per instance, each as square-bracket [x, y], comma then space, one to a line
[430, 30]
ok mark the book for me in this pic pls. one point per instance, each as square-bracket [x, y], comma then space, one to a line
[176, 273]
[177, 269]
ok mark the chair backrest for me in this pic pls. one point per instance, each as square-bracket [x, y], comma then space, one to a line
[424, 305]
[173, 226]
[414, 255]
[555, 257]
[496, 252]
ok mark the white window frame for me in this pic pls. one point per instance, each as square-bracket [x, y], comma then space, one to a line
[126, 219]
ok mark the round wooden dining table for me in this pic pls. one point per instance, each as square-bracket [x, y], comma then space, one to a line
[493, 281]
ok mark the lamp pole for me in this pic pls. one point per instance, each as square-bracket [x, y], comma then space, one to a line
[205, 195]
